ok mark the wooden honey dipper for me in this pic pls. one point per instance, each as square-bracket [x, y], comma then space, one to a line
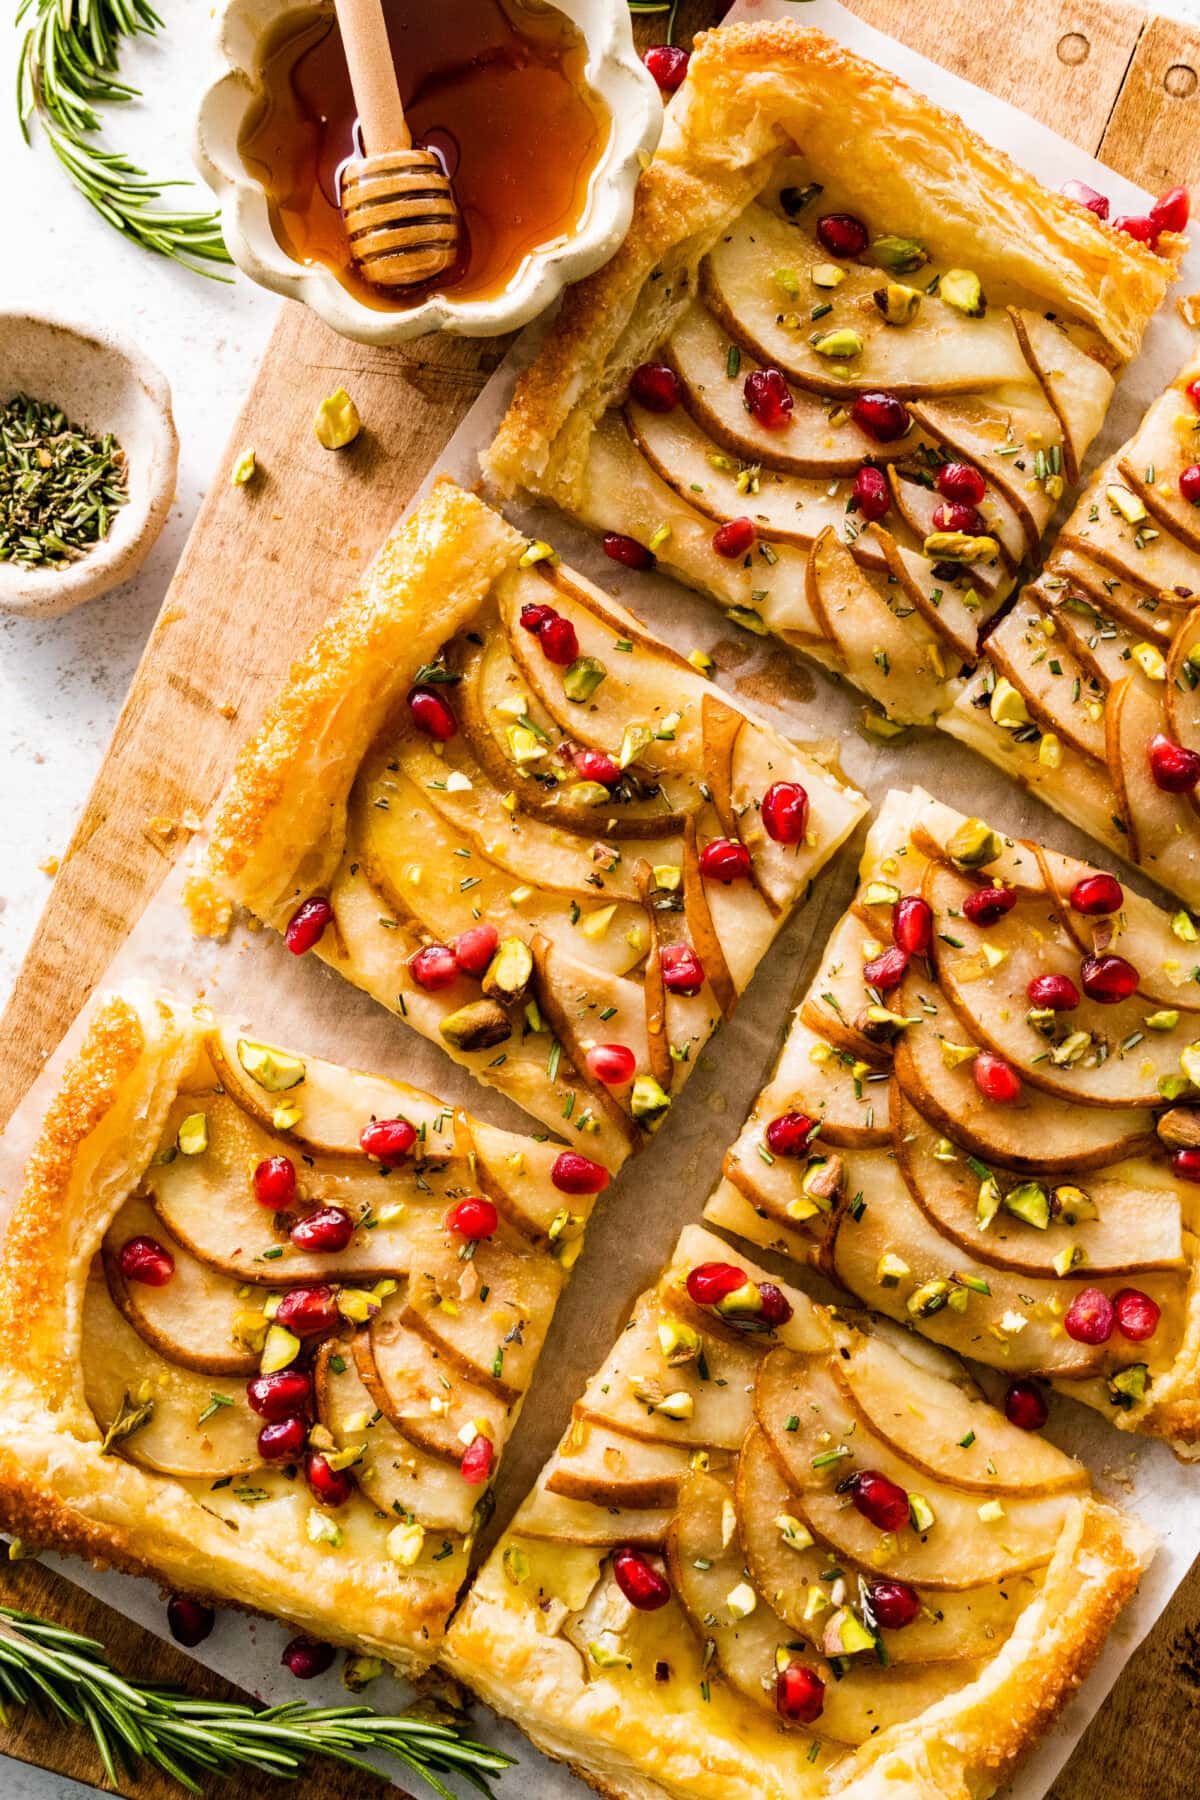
[401, 218]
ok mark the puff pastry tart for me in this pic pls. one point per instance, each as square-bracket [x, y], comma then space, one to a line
[492, 800]
[985, 1122]
[266, 1323]
[1090, 689]
[842, 368]
[775, 1557]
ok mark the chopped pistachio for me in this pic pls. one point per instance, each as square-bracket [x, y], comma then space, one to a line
[1183, 926]
[322, 1529]
[523, 745]
[1050, 750]
[480, 1025]
[878, 725]
[405, 1544]
[1073, 1205]
[679, 1405]
[537, 551]
[582, 679]
[1066, 1260]
[891, 1269]
[596, 924]
[899, 255]
[826, 275]
[337, 422]
[898, 304]
[1126, 503]
[273, 1070]
[193, 1134]
[510, 971]
[280, 1349]
[605, 1658]
[921, 1514]
[987, 1204]
[793, 1533]
[658, 538]
[881, 893]
[1007, 706]
[1029, 1201]
[244, 469]
[960, 546]
[648, 1102]
[990, 1511]
[678, 1342]
[841, 343]
[954, 1055]
[788, 282]
[1166, 1020]
[963, 290]
[701, 660]
[1128, 1386]
[927, 1299]
[973, 845]
[635, 740]
[359, 1670]
[741, 1601]
[1151, 661]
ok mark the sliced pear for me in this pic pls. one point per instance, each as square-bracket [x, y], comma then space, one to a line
[193, 1319]
[828, 1084]
[489, 1313]
[939, 832]
[1162, 827]
[957, 610]
[894, 659]
[1058, 692]
[1153, 461]
[607, 1468]
[425, 1396]
[1000, 432]
[837, 996]
[1142, 609]
[1102, 643]
[1077, 387]
[1135, 549]
[572, 998]
[557, 1519]
[917, 500]
[1181, 694]
[515, 1172]
[723, 731]
[709, 1410]
[706, 940]
[1141, 933]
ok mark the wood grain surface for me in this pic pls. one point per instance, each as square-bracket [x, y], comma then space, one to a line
[264, 566]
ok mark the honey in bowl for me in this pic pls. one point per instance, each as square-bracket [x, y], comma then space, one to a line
[496, 87]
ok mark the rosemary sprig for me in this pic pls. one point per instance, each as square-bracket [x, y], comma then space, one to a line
[68, 66]
[68, 1677]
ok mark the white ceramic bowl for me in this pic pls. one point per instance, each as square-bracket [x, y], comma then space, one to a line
[614, 72]
[102, 384]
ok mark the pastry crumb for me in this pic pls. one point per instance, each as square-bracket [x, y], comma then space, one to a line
[209, 912]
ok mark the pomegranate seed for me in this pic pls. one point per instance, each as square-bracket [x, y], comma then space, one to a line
[711, 1282]
[985, 906]
[957, 515]
[790, 1134]
[642, 1585]
[1096, 895]
[275, 1183]
[1172, 211]
[1090, 1318]
[842, 234]
[283, 1440]
[145, 1260]
[613, 1064]
[668, 64]
[912, 924]
[682, 970]
[1138, 226]
[1108, 979]
[1192, 390]
[881, 1502]
[887, 971]
[996, 1080]
[309, 1312]
[473, 1218]
[627, 551]
[431, 714]
[1137, 1314]
[575, 1174]
[559, 641]
[1025, 1405]
[724, 859]
[776, 1308]
[477, 1459]
[734, 538]
[328, 1230]
[387, 1141]
[872, 493]
[881, 416]
[799, 1694]
[332, 1487]
[305, 1658]
[434, 966]
[277, 1396]
[533, 617]
[1086, 196]
[1186, 1164]
[785, 812]
[307, 924]
[189, 1621]
[769, 398]
[1189, 484]
[960, 481]
[656, 387]
[894, 1604]
[1058, 993]
[474, 948]
[594, 765]
[1175, 770]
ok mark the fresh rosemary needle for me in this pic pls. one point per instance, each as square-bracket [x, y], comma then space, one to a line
[60, 486]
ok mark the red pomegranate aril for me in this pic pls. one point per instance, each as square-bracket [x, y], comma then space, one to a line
[790, 1134]
[611, 1064]
[883, 973]
[785, 812]
[881, 416]
[627, 551]
[842, 234]
[332, 1487]
[725, 860]
[278, 1396]
[145, 1260]
[594, 765]
[961, 481]
[474, 948]
[1137, 1314]
[639, 1581]
[986, 906]
[1057, 993]
[734, 538]
[894, 1604]
[1189, 484]
[477, 1460]
[769, 398]
[431, 714]
[559, 641]
[872, 492]
[534, 615]
[1192, 390]
[799, 1694]
[1025, 1405]
[1138, 226]
[1186, 1164]
[387, 1141]
[1175, 769]
[1172, 210]
[682, 970]
[434, 966]
[957, 515]
[711, 1282]
[883, 1503]
[1097, 895]
[656, 387]
[1086, 196]
[912, 924]
[1108, 979]
[1090, 1318]
[283, 1440]
[996, 1080]
[189, 1621]
[575, 1174]
[775, 1309]
[308, 1312]
[668, 64]
[275, 1183]
[473, 1218]
[307, 924]
[329, 1230]
[305, 1658]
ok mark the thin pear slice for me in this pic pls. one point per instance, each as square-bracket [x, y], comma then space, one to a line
[997, 431]
[713, 1393]
[1137, 550]
[1164, 838]
[425, 1396]
[1181, 694]
[828, 1084]
[917, 500]
[1141, 933]
[560, 1520]
[896, 660]
[120, 1367]
[607, 1468]
[1103, 644]
[515, 1172]
[193, 1319]
[950, 1625]
[1142, 609]
[1153, 461]
[489, 1313]
[935, 828]
[1058, 692]
[837, 995]
[956, 610]
[570, 1020]
[1077, 387]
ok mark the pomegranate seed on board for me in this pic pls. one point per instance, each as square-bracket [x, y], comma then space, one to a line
[711, 1282]
[627, 551]
[734, 538]
[1137, 1314]
[656, 387]
[1186, 1164]
[1056, 992]
[309, 1312]
[961, 481]
[1189, 484]
[575, 1174]
[1108, 979]
[769, 398]
[477, 1460]
[842, 234]
[594, 765]
[725, 860]
[1138, 226]
[612, 1064]
[387, 1141]
[307, 924]
[894, 1604]
[1175, 769]
[1025, 1405]
[188, 1620]
[434, 966]
[305, 1658]
[682, 970]
[668, 64]
[872, 492]
[642, 1584]
[332, 1487]
[996, 1080]
[799, 1694]
[790, 1134]
[560, 644]
[275, 1183]
[1172, 211]
[145, 1260]
[533, 617]
[1090, 1318]
[912, 924]
[883, 1503]
[887, 971]
[985, 906]
[329, 1230]
[881, 416]
[1097, 895]
[957, 515]
[775, 1309]
[473, 1218]
[785, 812]
[431, 714]
[283, 1440]
[1086, 196]
[474, 948]
[277, 1396]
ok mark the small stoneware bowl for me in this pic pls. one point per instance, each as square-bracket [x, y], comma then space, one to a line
[101, 384]
[614, 72]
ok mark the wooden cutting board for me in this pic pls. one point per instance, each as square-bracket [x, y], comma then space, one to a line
[265, 565]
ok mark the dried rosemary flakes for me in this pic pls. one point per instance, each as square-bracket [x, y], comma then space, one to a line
[60, 487]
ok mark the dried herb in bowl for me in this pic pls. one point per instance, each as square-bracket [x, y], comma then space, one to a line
[60, 486]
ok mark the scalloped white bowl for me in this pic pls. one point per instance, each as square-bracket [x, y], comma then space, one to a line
[615, 73]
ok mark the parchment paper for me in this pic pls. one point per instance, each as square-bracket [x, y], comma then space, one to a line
[299, 1002]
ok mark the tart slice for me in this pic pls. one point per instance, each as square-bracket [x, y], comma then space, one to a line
[1089, 691]
[838, 390]
[985, 1123]
[854, 1567]
[266, 1324]
[490, 798]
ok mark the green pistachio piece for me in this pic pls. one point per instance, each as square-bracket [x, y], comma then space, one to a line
[826, 275]
[635, 739]
[744, 1302]
[478, 1026]
[840, 343]
[678, 1342]
[920, 1513]
[897, 303]
[1072, 1205]
[582, 678]
[280, 1349]
[359, 1670]
[510, 971]
[900, 255]
[963, 290]
[973, 845]
[648, 1102]
[1030, 1202]
[928, 1299]
[959, 546]
[273, 1070]
[1007, 706]
[788, 282]
[891, 1269]
[1166, 1020]
[193, 1135]
[846, 1635]
[1127, 1387]
[604, 1658]
[587, 793]
[337, 422]
[988, 1203]
[747, 619]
